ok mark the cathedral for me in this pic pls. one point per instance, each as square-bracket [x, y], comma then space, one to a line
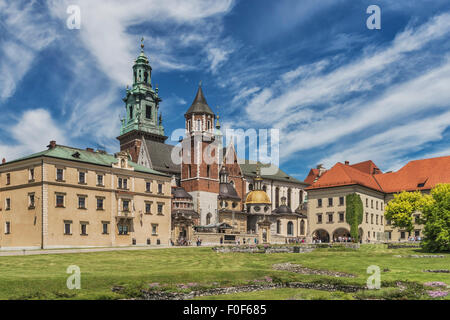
[216, 196]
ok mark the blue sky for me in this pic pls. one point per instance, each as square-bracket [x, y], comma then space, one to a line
[336, 90]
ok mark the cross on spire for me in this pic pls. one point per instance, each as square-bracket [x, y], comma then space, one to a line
[142, 44]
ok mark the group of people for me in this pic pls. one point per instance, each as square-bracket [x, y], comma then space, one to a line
[413, 238]
[295, 240]
[342, 239]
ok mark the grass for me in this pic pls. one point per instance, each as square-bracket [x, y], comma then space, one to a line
[44, 276]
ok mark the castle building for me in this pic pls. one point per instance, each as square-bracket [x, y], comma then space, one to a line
[66, 197]
[328, 190]
[203, 157]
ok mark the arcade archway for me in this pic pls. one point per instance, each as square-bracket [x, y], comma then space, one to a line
[321, 235]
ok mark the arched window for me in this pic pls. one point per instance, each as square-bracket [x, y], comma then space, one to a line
[250, 187]
[289, 197]
[189, 171]
[208, 218]
[278, 226]
[145, 77]
[290, 228]
[208, 169]
[199, 125]
[277, 197]
[300, 197]
[302, 227]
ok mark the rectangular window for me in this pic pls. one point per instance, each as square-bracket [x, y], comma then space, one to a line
[126, 205]
[367, 217]
[8, 178]
[125, 183]
[83, 228]
[8, 204]
[417, 233]
[319, 218]
[148, 112]
[100, 180]
[148, 207]
[376, 219]
[389, 235]
[371, 218]
[105, 227]
[402, 235]
[31, 174]
[59, 200]
[319, 203]
[154, 229]
[148, 186]
[81, 177]
[341, 201]
[367, 203]
[67, 228]
[376, 205]
[123, 229]
[31, 200]
[381, 205]
[341, 217]
[160, 188]
[99, 203]
[330, 218]
[330, 202]
[119, 183]
[81, 202]
[371, 204]
[7, 227]
[160, 208]
[381, 220]
[59, 174]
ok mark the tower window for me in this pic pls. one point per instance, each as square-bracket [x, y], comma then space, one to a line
[145, 77]
[208, 169]
[199, 125]
[131, 112]
[148, 112]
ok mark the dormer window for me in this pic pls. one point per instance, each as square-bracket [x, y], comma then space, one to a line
[148, 112]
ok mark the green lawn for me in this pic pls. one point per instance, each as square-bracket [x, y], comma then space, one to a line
[44, 276]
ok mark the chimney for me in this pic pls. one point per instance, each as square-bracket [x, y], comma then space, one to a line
[347, 162]
[321, 169]
[90, 149]
[3, 161]
[52, 144]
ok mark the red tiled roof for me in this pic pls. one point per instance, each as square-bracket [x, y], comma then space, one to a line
[366, 167]
[312, 175]
[428, 172]
[343, 175]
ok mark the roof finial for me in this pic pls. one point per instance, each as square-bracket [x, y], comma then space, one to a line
[142, 44]
[218, 117]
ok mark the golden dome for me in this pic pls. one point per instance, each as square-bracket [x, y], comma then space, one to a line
[257, 197]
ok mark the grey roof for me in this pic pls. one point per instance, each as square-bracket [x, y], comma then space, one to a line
[160, 157]
[283, 209]
[200, 105]
[179, 192]
[249, 169]
[227, 191]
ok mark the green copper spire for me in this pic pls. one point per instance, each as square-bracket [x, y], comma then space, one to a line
[142, 102]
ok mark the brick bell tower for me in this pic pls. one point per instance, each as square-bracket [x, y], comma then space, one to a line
[142, 120]
[201, 155]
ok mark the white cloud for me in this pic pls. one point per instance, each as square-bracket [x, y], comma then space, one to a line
[31, 134]
[105, 31]
[25, 34]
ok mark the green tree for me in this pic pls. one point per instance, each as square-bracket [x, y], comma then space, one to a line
[436, 214]
[354, 214]
[401, 209]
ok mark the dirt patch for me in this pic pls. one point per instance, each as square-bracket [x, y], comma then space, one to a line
[303, 270]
